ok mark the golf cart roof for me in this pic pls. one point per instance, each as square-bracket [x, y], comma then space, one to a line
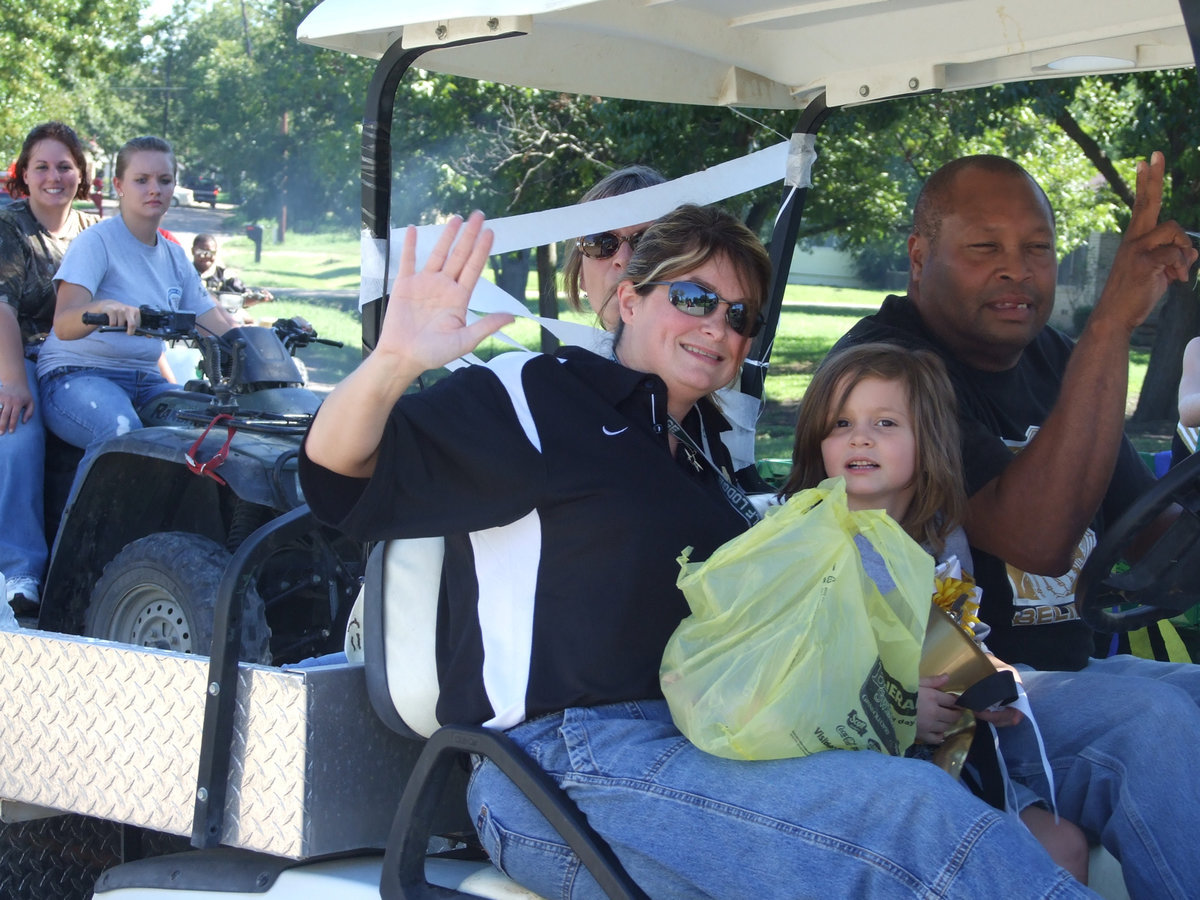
[763, 53]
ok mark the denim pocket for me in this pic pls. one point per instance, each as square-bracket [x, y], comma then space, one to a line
[489, 837]
[521, 843]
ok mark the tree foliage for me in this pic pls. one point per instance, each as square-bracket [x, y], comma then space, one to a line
[54, 49]
[274, 120]
[1164, 108]
[280, 124]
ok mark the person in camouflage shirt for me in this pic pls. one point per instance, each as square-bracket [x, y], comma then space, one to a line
[49, 175]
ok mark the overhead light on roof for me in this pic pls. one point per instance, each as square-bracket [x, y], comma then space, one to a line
[1089, 63]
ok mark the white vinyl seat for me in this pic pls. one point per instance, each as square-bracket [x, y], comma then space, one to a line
[399, 626]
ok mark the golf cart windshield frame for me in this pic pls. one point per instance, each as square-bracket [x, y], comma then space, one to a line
[377, 180]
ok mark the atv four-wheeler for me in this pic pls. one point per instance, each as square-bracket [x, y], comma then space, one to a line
[154, 517]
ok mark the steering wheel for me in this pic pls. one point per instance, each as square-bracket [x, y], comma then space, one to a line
[1165, 580]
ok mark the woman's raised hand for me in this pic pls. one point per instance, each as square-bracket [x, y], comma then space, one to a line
[425, 327]
[426, 320]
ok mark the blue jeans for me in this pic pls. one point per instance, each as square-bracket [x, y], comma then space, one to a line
[1182, 675]
[23, 550]
[86, 406]
[688, 824]
[1125, 752]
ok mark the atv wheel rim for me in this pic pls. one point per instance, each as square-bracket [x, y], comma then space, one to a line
[151, 618]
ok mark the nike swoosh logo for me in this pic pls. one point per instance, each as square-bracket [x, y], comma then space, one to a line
[611, 433]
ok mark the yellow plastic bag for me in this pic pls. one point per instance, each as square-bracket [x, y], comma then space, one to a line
[805, 634]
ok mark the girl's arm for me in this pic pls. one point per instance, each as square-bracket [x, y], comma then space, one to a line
[15, 395]
[1189, 385]
[164, 369]
[216, 320]
[74, 300]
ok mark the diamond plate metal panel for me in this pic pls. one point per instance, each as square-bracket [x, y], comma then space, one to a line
[97, 729]
[57, 858]
[114, 732]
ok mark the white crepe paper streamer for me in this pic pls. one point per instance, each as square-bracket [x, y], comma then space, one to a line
[1022, 703]
[552, 225]
[741, 411]
[794, 158]
[802, 154]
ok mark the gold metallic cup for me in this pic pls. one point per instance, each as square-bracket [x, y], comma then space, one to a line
[950, 650]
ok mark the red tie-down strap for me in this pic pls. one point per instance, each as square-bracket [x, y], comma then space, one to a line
[214, 462]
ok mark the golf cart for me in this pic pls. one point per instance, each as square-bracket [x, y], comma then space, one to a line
[811, 58]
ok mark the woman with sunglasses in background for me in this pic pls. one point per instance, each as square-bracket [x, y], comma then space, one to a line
[552, 628]
[596, 262]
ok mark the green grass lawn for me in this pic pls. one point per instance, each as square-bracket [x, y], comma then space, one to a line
[814, 317]
[320, 262]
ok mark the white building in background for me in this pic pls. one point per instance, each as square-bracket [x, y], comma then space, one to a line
[826, 265]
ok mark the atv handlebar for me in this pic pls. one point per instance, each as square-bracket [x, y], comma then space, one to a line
[296, 333]
[164, 323]
[169, 324]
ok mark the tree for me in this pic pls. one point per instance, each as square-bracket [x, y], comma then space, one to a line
[1165, 113]
[49, 50]
[238, 74]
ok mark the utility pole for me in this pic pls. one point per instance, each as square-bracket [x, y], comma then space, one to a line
[167, 96]
[283, 192]
[246, 30]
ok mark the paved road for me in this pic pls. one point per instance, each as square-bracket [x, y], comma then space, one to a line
[185, 222]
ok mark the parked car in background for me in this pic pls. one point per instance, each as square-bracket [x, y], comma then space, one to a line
[183, 196]
[205, 190]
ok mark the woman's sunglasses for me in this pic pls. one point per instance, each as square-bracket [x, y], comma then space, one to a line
[697, 300]
[606, 244]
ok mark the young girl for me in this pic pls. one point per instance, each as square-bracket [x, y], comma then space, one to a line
[884, 418]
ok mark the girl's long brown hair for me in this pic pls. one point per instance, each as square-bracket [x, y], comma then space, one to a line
[939, 501]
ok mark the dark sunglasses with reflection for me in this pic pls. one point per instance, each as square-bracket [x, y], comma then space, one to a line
[697, 300]
[606, 244]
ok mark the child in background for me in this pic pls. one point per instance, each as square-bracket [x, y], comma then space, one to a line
[884, 419]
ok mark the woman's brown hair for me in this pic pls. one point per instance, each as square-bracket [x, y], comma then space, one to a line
[16, 184]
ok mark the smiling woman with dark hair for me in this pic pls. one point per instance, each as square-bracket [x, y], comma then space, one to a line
[49, 175]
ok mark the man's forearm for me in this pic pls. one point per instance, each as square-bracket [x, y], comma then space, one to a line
[1033, 514]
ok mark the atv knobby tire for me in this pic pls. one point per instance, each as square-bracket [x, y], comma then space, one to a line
[160, 591]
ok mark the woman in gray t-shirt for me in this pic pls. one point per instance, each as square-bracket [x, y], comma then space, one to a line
[93, 382]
